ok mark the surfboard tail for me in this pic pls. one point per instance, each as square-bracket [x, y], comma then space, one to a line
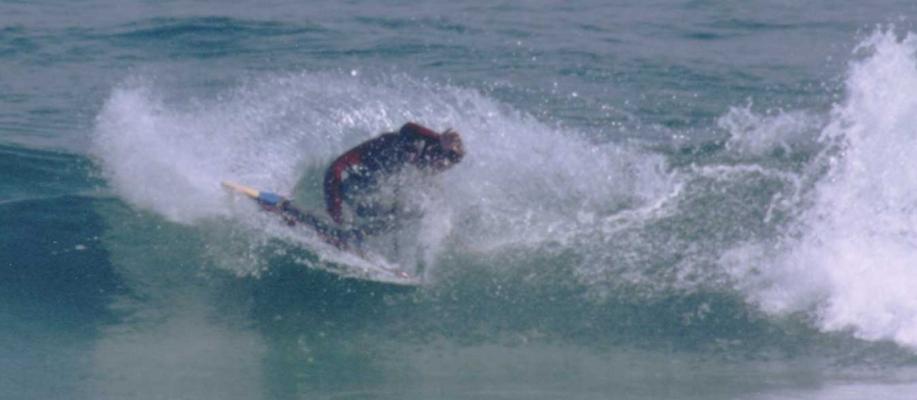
[338, 237]
[238, 188]
[266, 198]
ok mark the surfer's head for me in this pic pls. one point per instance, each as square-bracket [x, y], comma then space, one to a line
[448, 151]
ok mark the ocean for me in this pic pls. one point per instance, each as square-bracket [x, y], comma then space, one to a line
[697, 199]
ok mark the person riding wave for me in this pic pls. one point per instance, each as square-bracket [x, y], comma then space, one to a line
[355, 178]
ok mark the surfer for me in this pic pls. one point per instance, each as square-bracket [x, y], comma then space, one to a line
[356, 177]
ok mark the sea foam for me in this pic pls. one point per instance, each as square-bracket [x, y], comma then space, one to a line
[851, 262]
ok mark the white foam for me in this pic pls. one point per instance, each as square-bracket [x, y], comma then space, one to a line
[752, 134]
[853, 261]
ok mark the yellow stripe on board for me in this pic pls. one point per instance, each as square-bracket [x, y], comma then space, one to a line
[250, 192]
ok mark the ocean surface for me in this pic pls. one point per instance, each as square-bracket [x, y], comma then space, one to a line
[661, 200]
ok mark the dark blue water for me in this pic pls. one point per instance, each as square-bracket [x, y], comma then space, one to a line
[681, 199]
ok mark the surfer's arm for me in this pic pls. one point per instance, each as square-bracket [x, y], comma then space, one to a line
[333, 178]
[333, 192]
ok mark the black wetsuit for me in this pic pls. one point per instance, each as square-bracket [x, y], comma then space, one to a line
[358, 171]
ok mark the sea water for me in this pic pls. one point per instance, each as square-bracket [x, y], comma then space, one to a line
[660, 200]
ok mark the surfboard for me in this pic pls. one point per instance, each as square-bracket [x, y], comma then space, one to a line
[346, 261]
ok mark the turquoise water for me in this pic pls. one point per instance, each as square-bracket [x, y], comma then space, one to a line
[665, 200]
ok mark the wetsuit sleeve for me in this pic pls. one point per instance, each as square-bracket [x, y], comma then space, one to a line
[333, 193]
[419, 131]
[333, 177]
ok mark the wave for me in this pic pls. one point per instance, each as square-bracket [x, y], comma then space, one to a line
[276, 132]
[800, 214]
